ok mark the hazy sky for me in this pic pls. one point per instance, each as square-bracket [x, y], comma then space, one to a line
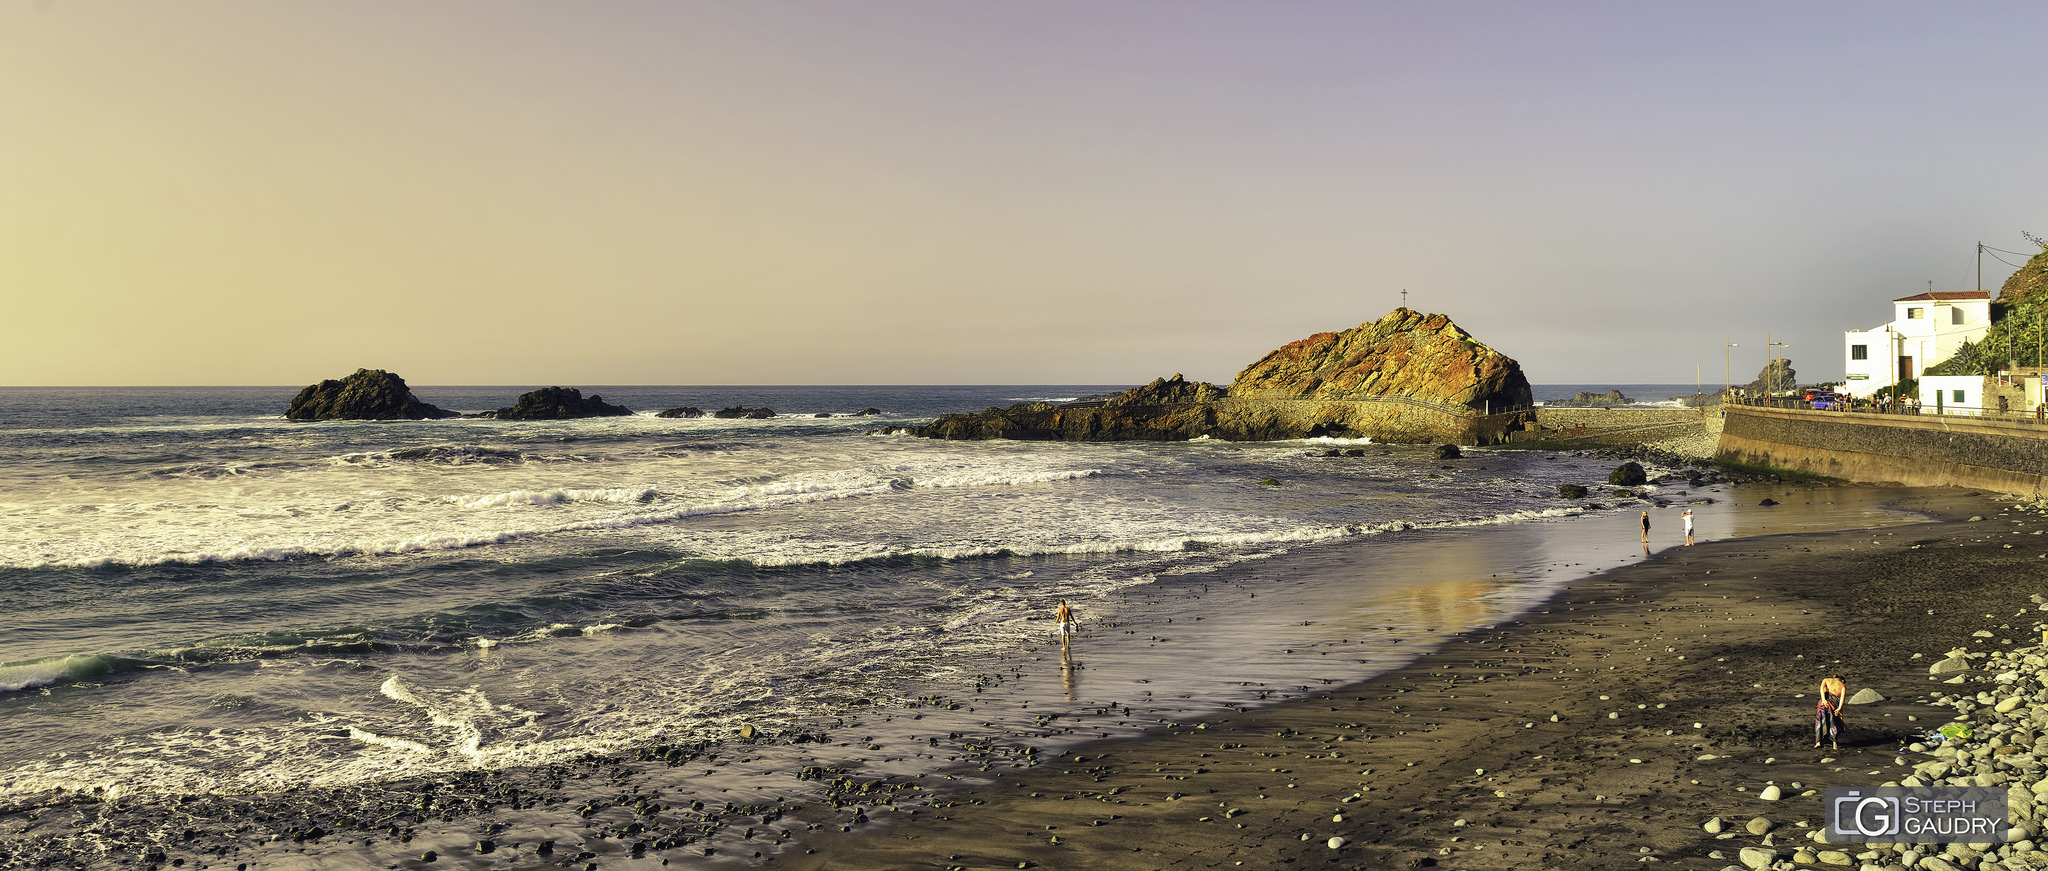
[1012, 192]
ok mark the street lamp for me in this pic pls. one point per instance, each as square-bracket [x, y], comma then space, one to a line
[1727, 372]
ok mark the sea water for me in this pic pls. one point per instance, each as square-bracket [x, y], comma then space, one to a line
[205, 598]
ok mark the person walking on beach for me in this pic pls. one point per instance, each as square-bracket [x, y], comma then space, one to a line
[1064, 617]
[1646, 527]
[1687, 517]
[1827, 715]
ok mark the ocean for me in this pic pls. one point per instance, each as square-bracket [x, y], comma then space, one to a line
[205, 599]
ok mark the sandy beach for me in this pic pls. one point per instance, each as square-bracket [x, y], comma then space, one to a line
[1646, 696]
[1604, 729]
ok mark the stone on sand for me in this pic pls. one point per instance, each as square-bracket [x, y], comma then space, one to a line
[1757, 858]
[1759, 826]
[1866, 696]
[1715, 826]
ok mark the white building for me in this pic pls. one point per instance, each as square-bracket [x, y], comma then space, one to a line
[1925, 329]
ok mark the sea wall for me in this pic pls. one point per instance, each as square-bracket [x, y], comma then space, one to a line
[1918, 451]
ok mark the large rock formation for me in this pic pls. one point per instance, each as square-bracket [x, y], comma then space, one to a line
[1408, 377]
[558, 403]
[1406, 353]
[1776, 377]
[369, 394]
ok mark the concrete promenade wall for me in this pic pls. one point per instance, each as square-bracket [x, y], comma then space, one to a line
[1919, 451]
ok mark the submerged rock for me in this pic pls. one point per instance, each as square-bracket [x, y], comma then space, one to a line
[558, 403]
[1628, 474]
[743, 412]
[682, 411]
[369, 394]
[1571, 491]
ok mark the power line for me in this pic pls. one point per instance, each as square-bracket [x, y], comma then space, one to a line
[2003, 260]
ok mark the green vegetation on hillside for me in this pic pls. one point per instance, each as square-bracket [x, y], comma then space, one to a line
[2020, 337]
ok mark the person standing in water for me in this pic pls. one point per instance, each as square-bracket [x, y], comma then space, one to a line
[1064, 616]
[1646, 527]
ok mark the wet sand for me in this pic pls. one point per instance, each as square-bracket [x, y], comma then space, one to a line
[1733, 635]
[1603, 729]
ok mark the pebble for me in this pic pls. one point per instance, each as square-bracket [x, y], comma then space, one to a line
[1336, 842]
[1759, 826]
[1770, 793]
[1715, 826]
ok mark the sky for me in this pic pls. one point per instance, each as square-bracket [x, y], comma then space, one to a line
[943, 192]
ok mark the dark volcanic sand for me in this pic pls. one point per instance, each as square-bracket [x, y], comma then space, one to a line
[1714, 633]
[1732, 635]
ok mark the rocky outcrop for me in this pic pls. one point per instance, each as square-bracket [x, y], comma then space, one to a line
[1776, 377]
[683, 411]
[741, 412]
[1407, 353]
[1408, 377]
[1588, 399]
[369, 394]
[558, 403]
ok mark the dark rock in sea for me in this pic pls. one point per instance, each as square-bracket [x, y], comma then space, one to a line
[558, 403]
[1354, 452]
[1768, 501]
[743, 412]
[1628, 474]
[823, 414]
[1270, 482]
[1448, 452]
[1591, 400]
[369, 394]
[1571, 491]
[866, 412]
[682, 411]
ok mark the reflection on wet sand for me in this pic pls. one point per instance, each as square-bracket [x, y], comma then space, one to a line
[1067, 671]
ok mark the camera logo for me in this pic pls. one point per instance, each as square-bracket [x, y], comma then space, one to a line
[1858, 814]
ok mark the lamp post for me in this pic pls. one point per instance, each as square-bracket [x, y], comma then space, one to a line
[1771, 360]
[1727, 369]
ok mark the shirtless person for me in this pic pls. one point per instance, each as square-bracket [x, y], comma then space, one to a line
[1065, 618]
[1827, 715]
[1646, 527]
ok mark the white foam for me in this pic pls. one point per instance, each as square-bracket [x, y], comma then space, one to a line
[1000, 479]
[557, 496]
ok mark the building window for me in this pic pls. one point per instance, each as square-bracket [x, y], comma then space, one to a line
[1955, 316]
[1956, 396]
[1915, 313]
[1859, 352]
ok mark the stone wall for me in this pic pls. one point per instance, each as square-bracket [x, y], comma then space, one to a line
[1919, 451]
[1688, 431]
